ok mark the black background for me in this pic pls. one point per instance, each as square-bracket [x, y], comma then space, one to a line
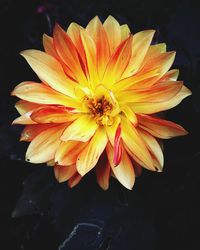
[162, 211]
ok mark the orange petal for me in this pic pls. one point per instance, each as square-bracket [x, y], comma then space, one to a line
[64, 173]
[68, 152]
[159, 93]
[43, 147]
[74, 180]
[160, 128]
[24, 106]
[135, 143]
[31, 131]
[113, 31]
[124, 172]
[171, 75]
[151, 108]
[68, 53]
[117, 147]
[82, 129]
[153, 147]
[50, 71]
[52, 114]
[89, 156]
[98, 33]
[103, 172]
[140, 45]
[48, 46]
[118, 63]
[40, 93]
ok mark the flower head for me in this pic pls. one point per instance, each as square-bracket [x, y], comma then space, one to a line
[95, 107]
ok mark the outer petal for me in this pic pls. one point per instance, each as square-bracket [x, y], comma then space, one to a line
[52, 114]
[125, 32]
[64, 173]
[103, 172]
[50, 71]
[74, 180]
[68, 53]
[98, 33]
[89, 157]
[140, 45]
[160, 93]
[68, 152]
[44, 146]
[48, 46]
[113, 31]
[160, 128]
[124, 172]
[40, 93]
[82, 129]
[24, 106]
[24, 119]
[151, 108]
[118, 63]
[31, 131]
[136, 145]
[153, 147]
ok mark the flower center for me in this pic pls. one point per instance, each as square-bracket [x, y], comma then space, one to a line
[100, 109]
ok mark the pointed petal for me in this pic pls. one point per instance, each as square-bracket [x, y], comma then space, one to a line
[118, 63]
[24, 119]
[98, 34]
[64, 173]
[48, 46]
[154, 50]
[113, 31]
[135, 143]
[40, 93]
[43, 147]
[131, 116]
[24, 106]
[140, 45]
[82, 129]
[103, 172]
[50, 71]
[159, 93]
[31, 131]
[124, 172]
[52, 114]
[171, 75]
[68, 152]
[160, 128]
[151, 108]
[125, 32]
[89, 156]
[68, 53]
[153, 147]
[74, 180]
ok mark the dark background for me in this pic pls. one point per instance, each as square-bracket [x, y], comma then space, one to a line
[162, 211]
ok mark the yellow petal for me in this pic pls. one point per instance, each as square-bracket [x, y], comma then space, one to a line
[64, 173]
[153, 147]
[68, 152]
[125, 32]
[98, 34]
[124, 172]
[111, 130]
[129, 114]
[49, 70]
[160, 128]
[113, 31]
[151, 108]
[82, 129]
[89, 156]
[135, 143]
[140, 45]
[103, 172]
[154, 50]
[40, 93]
[43, 147]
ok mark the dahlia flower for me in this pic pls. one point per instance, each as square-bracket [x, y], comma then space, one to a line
[97, 103]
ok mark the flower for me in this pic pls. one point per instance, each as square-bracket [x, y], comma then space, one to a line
[97, 103]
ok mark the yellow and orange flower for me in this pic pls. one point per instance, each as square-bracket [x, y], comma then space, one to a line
[95, 105]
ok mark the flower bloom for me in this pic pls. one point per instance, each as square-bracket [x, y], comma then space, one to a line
[96, 104]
